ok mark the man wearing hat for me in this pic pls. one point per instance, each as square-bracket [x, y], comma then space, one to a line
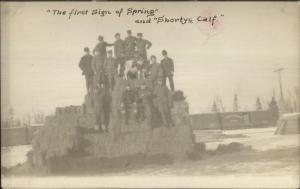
[142, 45]
[101, 47]
[128, 105]
[167, 65]
[100, 108]
[119, 48]
[85, 65]
[145, 103]
[110, 69]
[129, 45]
[155, 70]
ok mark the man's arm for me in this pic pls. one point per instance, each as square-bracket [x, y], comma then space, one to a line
[172, 65]
[149, 44]
[109, 44]
[96, 47]
[81, 64]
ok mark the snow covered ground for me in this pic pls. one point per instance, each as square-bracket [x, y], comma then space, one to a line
[11, 156]
[273, 163]
[257, 138]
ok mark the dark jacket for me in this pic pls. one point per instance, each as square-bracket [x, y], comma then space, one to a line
[101, 47]
[110, 66]
[168, 66]
[142, 45]
[154, 71]
[119, 47]
[85, 65]
[130, 43]
[129, 96]
[98, 64]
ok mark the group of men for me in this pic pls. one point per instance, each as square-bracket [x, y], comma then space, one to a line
[102, 69]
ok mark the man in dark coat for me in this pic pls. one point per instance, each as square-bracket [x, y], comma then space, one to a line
[85, 65]
[155, 70]
[167, 65]
[145, 104]
[130, 45]
[163, 102]
[129, 103]
[98, 67]
[110, 69]
[142, 45]
[101, 48]
[99, 107]
[119, 48]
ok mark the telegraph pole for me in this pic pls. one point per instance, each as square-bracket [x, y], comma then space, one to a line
[280, 84]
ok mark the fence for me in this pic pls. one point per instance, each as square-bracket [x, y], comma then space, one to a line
[17, 135]
[232, 120]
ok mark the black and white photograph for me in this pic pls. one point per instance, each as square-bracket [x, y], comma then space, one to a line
[151, 94]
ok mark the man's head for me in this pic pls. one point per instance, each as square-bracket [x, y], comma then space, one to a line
[109, 53]
[140, 35]
[100, 38]
[153, 59]
[164, 53]
[86, 50]
[129, 32]
[117, 36]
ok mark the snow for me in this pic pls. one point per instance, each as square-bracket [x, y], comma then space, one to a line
[251, 169]
[154, 181]
[11, 156]
[257, 138]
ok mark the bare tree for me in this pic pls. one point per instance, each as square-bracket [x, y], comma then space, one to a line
[215, 107]
[258, 104]
[235, 103]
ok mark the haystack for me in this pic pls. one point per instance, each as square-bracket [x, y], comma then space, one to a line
[70, 132]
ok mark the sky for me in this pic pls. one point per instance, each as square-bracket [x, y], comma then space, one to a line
[40, 51]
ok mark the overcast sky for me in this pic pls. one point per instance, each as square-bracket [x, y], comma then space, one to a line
[40, 52]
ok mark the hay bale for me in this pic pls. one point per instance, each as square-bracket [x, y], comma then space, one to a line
[55, 141]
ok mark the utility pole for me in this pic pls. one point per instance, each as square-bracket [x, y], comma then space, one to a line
[280, 84]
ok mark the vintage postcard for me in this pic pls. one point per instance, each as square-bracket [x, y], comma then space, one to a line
[150, 94]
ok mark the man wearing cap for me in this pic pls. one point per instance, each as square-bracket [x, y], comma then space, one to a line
[129, 45]
[85, 65]
[144, 103]
[128, 105]
[98, 67]
[101, 47]
[163, 102]
[99, 107]
[119, 48]
[142, 45]
[155, 70]
[110, 69]
[167, 65]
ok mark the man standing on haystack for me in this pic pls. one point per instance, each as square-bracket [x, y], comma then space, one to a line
[145, 104]
[167, 65]
[128, 104]
[110, 69]
[155, 70]
[85, 65]
[119, 48]
[142, 46]
[130, 45]
[99, 108]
